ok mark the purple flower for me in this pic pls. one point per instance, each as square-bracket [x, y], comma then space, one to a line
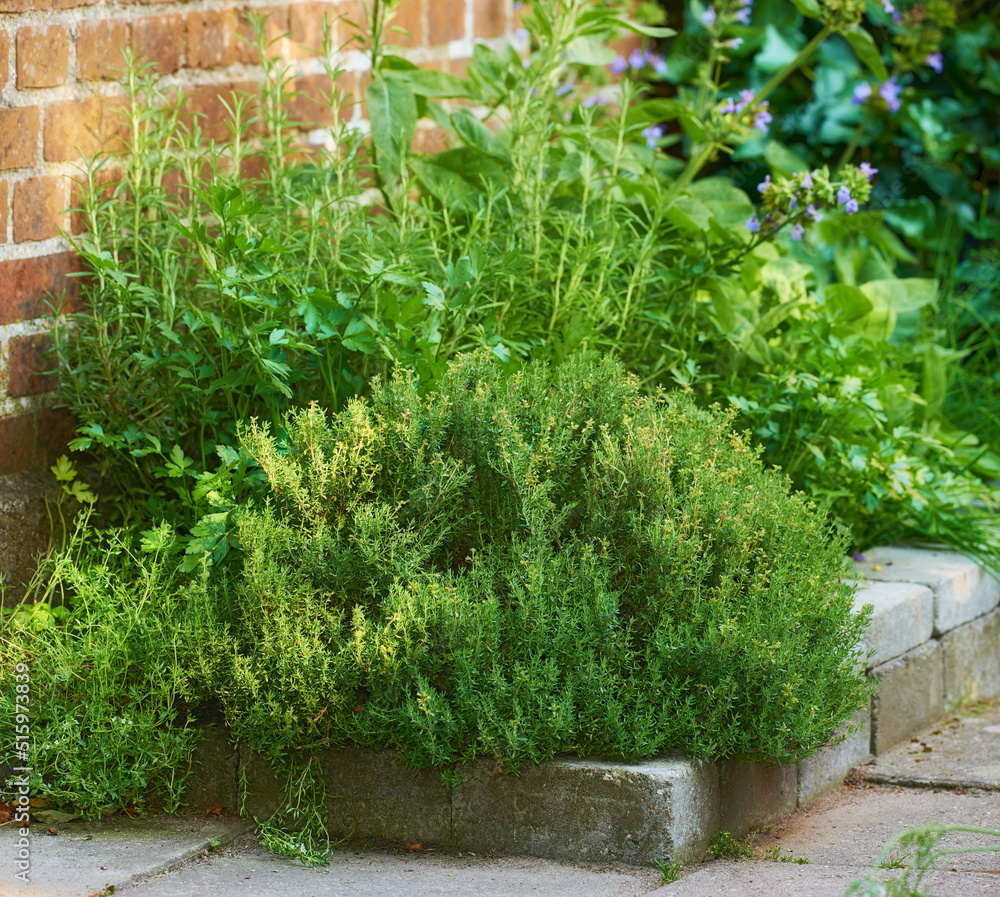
[652, 134]
[844, 193]
[867, 170]
[659, 64]
[753, 225]
[728, 107]
[797, 231]
[765, 184]
[861, 93]
[859, 557]
[619, 66]
[762, 120]
[517, 5]
[743, 15]
[935, 61]
[814, 213]
[637, 59]
[794, 204]
[590, 102]
[807, 181]
[888, 7]
[522, 35]
[735, 43]
[851, 206]
[890, 92]
[564, 89]
[708, 17]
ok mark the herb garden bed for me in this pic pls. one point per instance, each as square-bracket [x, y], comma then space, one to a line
[933, 632]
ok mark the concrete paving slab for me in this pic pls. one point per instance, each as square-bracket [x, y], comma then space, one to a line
[842, 834]
[250, 871]
[962, 589]
[962, 751]
[86, 858]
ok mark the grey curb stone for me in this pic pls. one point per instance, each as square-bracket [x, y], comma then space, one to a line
[590, 810]
[972, 661]
[910, 695]
[902, 619]
[962, 589]
[825, 770]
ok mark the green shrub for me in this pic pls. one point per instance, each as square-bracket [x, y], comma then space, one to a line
[517, 567]
[508, 567]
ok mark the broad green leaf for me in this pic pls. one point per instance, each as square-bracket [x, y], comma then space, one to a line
[588, 51]
[647, 30]
[392, 112]
[436, 84]
[779, 49]
[848, 301]
[807, 8]
[901, 294]
[868, 52]
[477, 135]
[781, 160]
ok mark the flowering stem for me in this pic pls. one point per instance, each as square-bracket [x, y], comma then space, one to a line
[799, 60]
[855, 140]
[694, 165]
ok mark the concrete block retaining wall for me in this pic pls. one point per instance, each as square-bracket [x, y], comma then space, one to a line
[934, 637]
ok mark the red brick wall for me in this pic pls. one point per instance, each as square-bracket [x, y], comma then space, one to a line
[58, 99]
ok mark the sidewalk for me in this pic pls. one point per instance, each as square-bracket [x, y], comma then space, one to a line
[949, 774]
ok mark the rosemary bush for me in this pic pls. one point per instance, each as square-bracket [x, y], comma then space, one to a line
[508, 567]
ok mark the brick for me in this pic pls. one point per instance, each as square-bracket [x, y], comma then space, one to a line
[38, 208]
[275, 26]
[18, 5]
[42, 56]
[489, 18]
[205, 104]
[99, 48]
[27, 363]
[54, 428]
[352, 24]
[17, 443]
[155, 39]
[75, 128]
[406, 27]
[4, 207]
[26, 283]
[4, 58]
[910, 695]
[308, 106]
[305, 28]
[445, 21]
[19, 137]
[211, 40]
[69, 4]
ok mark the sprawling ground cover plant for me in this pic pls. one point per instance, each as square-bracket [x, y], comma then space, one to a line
[509, 567]
[557, 221]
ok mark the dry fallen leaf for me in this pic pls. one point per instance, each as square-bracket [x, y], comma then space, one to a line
[53, 830]
[4, 815]
[216, 809]
[414, 847]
